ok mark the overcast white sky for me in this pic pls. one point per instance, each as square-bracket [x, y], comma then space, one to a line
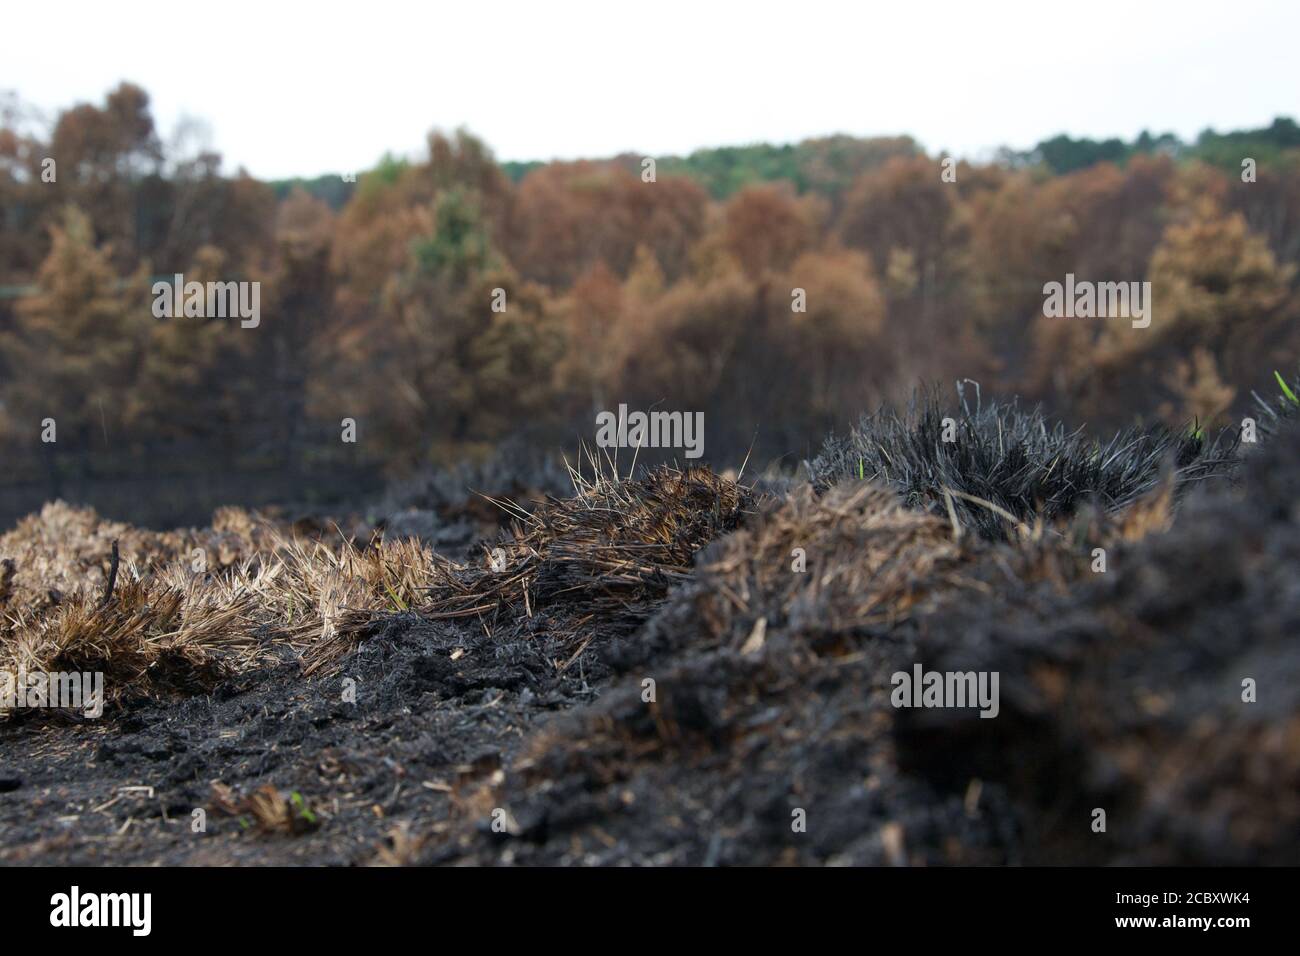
[305, 88]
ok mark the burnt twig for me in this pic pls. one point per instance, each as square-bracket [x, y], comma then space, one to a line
[112, 577]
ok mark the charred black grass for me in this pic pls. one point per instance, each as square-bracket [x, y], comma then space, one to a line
[1138, 685]
[1007, 467]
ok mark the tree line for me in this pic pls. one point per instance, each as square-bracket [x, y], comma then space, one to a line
[449, 302]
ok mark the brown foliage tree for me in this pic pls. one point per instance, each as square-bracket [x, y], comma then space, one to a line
[570, 215]
[75, 347]
[765, 227]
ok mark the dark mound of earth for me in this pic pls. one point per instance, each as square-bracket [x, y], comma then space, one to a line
[751, 718]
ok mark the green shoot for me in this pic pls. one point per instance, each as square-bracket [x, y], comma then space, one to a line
[301, 806]
[1286, 389]
[401, 605]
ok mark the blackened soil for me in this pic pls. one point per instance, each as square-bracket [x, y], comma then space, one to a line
[423, 729]
[1121, 692]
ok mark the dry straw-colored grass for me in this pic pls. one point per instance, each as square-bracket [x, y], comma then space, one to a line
[850, 559]
[162, 629]
[597, 561]
[169, 626]
[154, 635]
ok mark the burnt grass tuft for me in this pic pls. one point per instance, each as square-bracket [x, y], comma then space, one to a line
[1019, 461]
[647, 678]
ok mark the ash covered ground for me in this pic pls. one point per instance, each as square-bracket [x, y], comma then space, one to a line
[633, 671]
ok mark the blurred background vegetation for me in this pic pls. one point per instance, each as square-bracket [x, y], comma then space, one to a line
[376, 299]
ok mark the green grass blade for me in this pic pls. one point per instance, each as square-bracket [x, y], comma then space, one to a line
[1286, 389]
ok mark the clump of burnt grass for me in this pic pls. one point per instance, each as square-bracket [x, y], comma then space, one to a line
[321, 598]
[595, 564]
[847, 562]
[64, 550]
[160, 627]
[1007, 468]
[79, 593]
[156, 636]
